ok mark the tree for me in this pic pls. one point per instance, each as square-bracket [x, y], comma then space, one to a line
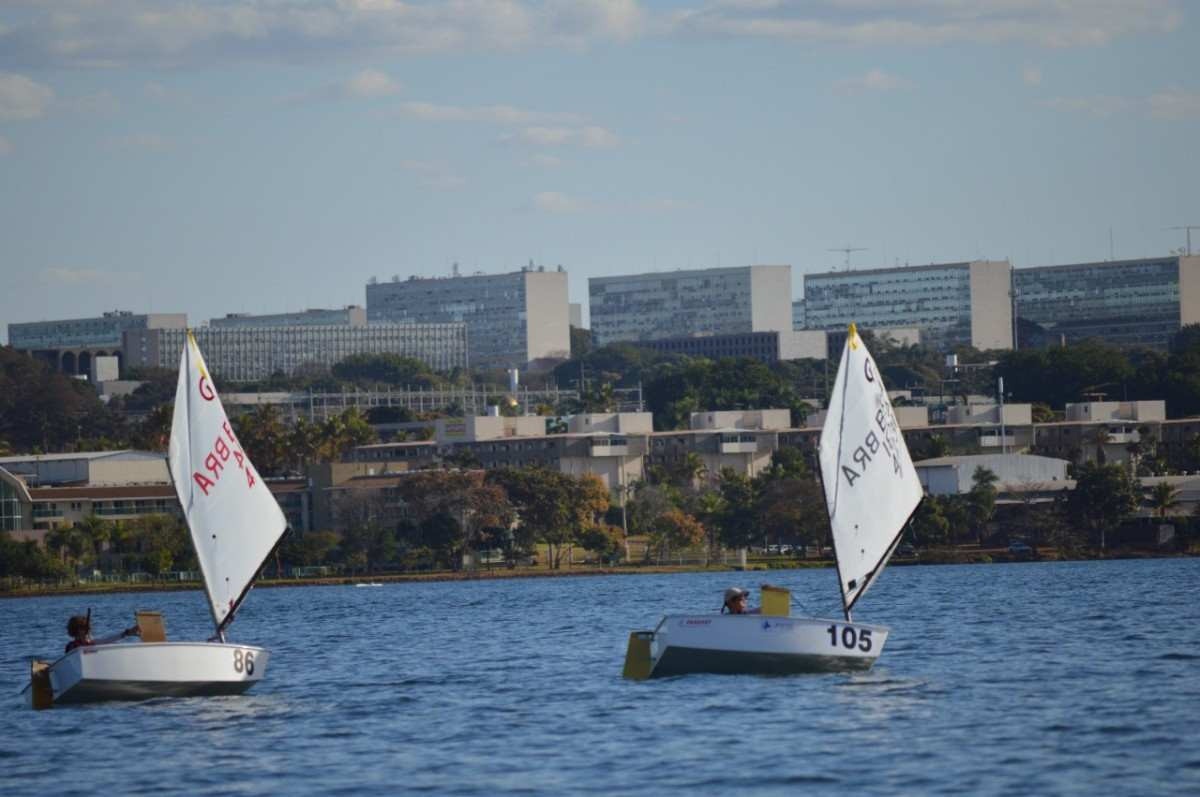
[1163, 498]
[981, 500]
[264, 437]
[367, 528]
[1102, 498]
[603, 540]
[737, 522]
[385, 369]
[675, 530]
[929, 526]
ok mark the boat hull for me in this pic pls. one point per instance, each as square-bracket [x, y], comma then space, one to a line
[761, 645]
[155, 669]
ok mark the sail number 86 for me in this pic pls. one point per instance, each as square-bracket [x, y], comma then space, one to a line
[243, 661]
[850, 637]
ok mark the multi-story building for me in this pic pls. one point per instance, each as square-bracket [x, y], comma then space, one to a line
[1122, 302]
[513, 319]
[675, 304]
[767, 347]
[71, 345]
[952, 304]
[254, 353]
[40, 492]
[351, 315]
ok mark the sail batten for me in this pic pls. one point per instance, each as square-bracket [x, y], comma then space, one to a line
[871, 488]
[234, 520]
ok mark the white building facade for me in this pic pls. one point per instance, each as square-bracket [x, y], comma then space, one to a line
[512, 319]
[677, 304]
[951, 304]
[249, 354]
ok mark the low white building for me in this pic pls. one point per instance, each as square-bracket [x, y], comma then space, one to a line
[1014, 472]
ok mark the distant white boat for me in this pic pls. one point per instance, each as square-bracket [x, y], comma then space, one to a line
[235, 525]
[871, 491]
[368, 584]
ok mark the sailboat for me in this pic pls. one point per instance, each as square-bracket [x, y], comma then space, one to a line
[235, 525]
[871, 491]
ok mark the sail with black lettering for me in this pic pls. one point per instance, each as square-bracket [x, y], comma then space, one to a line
[234, 519]
[871, 487]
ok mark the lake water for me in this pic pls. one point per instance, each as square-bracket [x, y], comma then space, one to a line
[1055, 678]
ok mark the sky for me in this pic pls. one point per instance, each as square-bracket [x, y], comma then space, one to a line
[265, 156]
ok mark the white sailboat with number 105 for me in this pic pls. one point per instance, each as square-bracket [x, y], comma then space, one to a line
[235, 524]
[871, 491]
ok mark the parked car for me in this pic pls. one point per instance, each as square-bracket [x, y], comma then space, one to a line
[1019, 549]
[905, 551]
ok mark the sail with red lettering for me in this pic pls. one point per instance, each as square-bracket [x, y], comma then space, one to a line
[871, 487]
[234, 519]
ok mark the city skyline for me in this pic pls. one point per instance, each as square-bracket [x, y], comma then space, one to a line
[269, 157]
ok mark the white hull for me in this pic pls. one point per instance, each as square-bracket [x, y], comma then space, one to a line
[761, 644]
[156, 669]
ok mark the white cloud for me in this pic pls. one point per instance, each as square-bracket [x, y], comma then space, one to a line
[1174, 104]
[371, 83]
[435, 175]
[1101, 106]
[490, 114]
[874, 80]
[1032, 76]
[87, 33]
[933, 22]
[6, 147]
[544, 161]
[141, 142]
[22, 98]
[557, 202]
[102, 103]
[74, 276]
[588, 136]
[664, 205]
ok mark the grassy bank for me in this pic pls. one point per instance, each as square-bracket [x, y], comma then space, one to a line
[755, 564]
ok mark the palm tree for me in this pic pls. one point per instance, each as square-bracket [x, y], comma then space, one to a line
[1163, 498]
[1099, 437]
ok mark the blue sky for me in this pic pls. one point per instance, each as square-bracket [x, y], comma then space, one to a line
[264, 155]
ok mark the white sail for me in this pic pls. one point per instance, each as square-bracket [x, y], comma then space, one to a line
[234, 519]
[871, 487]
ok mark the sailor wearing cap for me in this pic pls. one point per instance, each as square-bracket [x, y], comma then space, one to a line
[735, 602]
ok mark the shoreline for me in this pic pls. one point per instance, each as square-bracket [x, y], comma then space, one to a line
[932, 558]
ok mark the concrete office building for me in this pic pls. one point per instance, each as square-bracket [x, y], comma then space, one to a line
[952, 304]
[253, 353]
[351, 315]
[513, 319]
[70, 345]
[675, 304]
[1122, 302]
[767, 347]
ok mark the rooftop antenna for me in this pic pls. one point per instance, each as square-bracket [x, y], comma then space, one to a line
[1188, 228]
[454, 269]
[847, 249]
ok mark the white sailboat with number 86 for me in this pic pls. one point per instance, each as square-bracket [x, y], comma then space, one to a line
[235, 524]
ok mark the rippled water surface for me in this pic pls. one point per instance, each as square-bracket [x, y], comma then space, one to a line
[1058, 678]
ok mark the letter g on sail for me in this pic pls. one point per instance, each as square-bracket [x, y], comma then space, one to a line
[206, 391]
[868, 371]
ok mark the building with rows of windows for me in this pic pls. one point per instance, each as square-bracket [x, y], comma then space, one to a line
[951, 304]
[248, 354]
[1122, 302]
[677, 304]
[513, 319]
[351, 315]
[71, 345]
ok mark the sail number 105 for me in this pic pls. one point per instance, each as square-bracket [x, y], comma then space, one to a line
[850, 637]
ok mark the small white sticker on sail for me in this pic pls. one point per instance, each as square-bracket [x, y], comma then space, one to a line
[871, 487]
[233, 518]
